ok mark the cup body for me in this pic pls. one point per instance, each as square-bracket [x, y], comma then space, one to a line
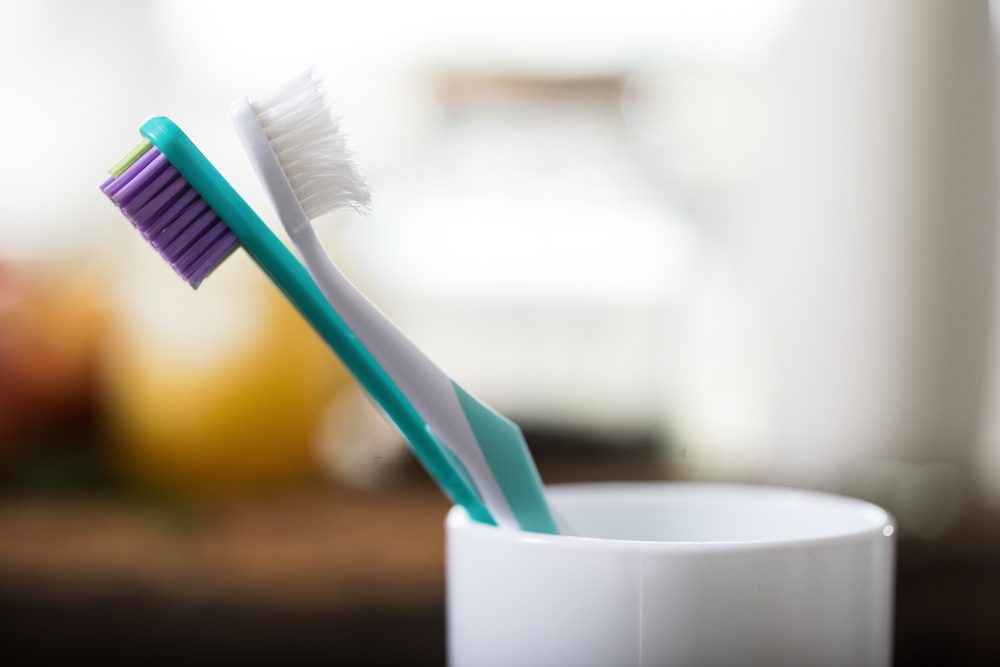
[675, 574]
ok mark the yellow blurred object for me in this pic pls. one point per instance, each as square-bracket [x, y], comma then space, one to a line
[219, 389]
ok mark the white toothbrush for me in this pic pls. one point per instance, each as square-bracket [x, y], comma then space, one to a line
[301, 158]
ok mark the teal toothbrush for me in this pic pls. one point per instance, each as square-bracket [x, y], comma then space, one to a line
[186, 210]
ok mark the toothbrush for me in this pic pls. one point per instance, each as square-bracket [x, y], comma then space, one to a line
[186, 210]
[300, 156]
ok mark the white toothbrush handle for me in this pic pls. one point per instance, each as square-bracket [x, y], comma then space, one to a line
[423, 383]
[426, 386]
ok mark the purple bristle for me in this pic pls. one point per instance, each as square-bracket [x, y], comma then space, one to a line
[181, 204]
[116, 184]
[172, 216]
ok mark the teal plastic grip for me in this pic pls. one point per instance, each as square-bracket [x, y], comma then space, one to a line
[508, 457]
[294, 281]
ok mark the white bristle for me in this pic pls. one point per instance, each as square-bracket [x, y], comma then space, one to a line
[312, 151]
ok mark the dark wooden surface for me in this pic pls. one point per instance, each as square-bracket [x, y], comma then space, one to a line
[326, 576]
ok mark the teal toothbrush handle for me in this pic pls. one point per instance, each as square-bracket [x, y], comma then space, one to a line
[294, 281]
[506, 452]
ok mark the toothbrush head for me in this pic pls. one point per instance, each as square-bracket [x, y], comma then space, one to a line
[299, 150]
[169, 213]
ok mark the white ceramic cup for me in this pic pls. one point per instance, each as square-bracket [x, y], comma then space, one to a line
[676, 574]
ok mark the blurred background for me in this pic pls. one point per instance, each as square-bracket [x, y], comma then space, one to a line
[709, 240]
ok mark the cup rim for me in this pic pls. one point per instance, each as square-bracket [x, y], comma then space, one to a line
[882, 525]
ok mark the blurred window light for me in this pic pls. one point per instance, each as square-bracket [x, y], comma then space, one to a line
[531, 252]
[514, 214]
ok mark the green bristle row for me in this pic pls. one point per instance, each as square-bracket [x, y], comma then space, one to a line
[130, 158]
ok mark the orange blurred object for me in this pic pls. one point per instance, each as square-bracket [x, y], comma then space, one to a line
[50, 322]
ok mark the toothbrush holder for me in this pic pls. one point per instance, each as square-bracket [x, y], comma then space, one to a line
[676, 574]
